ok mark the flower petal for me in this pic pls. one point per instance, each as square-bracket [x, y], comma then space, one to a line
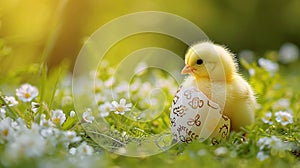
[123, 102]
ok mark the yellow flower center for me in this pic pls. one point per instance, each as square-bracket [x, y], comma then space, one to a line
[84, 150]
[5, 132]
[285, 118]
[27, 95]
[120, 108]
[272, 143]
[56, 120]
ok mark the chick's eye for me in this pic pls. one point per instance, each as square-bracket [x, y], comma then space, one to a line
[199, 61]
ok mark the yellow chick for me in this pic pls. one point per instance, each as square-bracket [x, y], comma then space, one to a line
[213, 70]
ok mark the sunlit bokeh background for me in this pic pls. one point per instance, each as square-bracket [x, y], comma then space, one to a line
[55, 30]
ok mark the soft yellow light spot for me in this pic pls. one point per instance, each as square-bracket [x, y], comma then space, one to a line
[27, 95]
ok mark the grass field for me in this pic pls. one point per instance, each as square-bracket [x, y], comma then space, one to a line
[40, 127]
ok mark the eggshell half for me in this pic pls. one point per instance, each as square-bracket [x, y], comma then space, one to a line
[194, 117]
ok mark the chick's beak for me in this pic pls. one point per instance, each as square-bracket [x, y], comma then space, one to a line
[186, 70]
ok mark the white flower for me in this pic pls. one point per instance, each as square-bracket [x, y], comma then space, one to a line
[72, 113]
[28, 144]
[10, 100]
[2, 113]
[72, 137]
[73, 151]
[252, 72]
[288, 53]
[58, 117]
[276, 143]
[27, 92]
[87, 117]
[284, 118]
[121, 108]
[51, 135]
[271, 143]
[35, 106]
[268, 118]
[261, 156]
[263, 142]
[19, 124]
[85, 149]
[220, 151]
[44, 122]
[6, 130]
[48, 132]
[268, 65]
[282, 103]
[104, 109]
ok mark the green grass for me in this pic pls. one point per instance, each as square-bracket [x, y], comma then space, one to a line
[239, 150]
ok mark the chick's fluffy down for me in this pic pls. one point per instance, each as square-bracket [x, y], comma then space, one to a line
[230, 90]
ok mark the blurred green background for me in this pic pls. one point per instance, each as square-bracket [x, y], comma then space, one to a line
[54, 30]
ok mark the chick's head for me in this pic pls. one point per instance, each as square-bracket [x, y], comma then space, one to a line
[208, 60]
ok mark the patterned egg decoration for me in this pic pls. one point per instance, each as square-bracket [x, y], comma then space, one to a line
[194, 117]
